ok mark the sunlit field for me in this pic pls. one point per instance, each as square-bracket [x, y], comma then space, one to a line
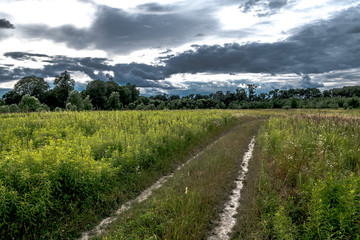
[61, 173]
[56, 167]
[308, 185]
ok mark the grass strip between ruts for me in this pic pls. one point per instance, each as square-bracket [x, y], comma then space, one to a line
[186, 207]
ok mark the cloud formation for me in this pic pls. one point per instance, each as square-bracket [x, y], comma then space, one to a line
[319, 47]
[24, 56]
[263, 8]
[315, 49]
[117, 31]
[156, 8]
[6, 24]
[142, 75]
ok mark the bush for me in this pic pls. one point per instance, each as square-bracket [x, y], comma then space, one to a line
[29, 103]
[4, 109]
[13, 108]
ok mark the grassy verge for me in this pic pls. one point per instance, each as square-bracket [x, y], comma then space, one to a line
[185, 207]
[309, 180]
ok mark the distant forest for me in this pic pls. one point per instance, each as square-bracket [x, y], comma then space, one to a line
[32, 93]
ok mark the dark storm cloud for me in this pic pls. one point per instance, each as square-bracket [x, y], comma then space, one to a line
[96, 68]
[5, 74]
[276, 4]
[249, 5]
[254, 57]
[53, 66]
[264, 7]
[155, 8]
[6, 24]
[323, 46]
[307, 83]
[117, 31]
[142, 71]
[76, 38]
[24, 55]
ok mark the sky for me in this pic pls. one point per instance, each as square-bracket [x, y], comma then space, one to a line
[183, 46]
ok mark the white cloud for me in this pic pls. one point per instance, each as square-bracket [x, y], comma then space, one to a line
[50, 12]
[8, 85]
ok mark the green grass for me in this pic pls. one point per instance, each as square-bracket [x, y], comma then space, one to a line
[62, 172]
[309, 182]
[187, 205]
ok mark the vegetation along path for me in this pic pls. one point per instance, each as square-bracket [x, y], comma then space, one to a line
[188, 204]
[142, 197]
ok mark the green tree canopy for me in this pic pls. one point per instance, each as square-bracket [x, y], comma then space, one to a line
[87, 103]
[29, 103]
[113, 102]
[64, 84]
[76, 100]
[96, 90]
[32, 85]
[11, 97]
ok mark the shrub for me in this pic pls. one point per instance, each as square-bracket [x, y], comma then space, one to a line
[29, 103]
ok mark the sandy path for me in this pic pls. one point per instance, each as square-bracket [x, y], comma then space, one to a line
[227, 219]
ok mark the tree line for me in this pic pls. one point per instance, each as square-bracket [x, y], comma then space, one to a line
[32, 93]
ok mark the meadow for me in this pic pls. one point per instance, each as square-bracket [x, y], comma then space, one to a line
[61, 172]
[307, 183]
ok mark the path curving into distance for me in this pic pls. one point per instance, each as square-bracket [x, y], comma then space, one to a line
[227, 219]
[142, 197]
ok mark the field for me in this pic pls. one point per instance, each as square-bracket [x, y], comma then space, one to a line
[62, 173]
[56, 167]
[308, 185]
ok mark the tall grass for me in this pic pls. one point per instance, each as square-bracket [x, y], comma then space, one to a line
[309, 185]
[188, 205]
[59, 172]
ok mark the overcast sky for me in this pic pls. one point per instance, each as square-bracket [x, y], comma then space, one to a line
[183, 47]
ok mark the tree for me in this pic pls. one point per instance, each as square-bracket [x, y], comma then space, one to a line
[96, 90]
[274, 93]
[64, 84]
[353, 102]
[11, 97]
[87, 103]
[111, 86]
[51, 99]
[294, 103]
[29, 103]
[240, 95]
[76, 100]
[113, 102]
[251, 89]
[174, 97]
[135, 93]
[125, 96]
[32, 85]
